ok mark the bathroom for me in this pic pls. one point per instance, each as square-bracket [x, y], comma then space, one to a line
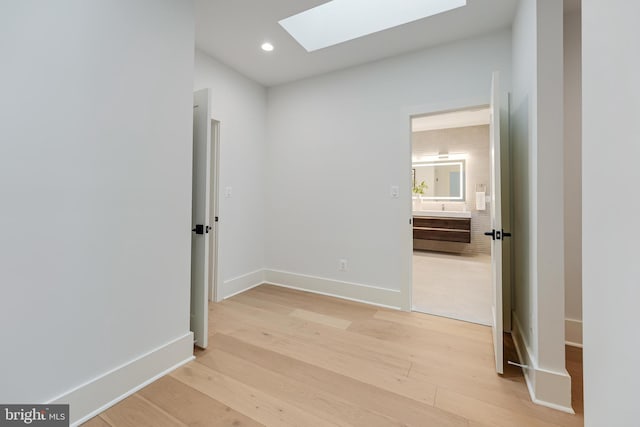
[450, 203]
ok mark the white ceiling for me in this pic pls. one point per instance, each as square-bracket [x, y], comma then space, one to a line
[233, 30]
[455, 119]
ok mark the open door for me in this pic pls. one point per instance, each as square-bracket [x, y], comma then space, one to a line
[497, 233]
[200, 216]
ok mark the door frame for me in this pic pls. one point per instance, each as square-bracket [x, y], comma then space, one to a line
[505, 157]
[214, 188]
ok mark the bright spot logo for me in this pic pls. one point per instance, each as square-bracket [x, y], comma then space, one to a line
[34, 415]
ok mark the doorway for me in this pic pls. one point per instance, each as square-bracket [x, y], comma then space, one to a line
[454, 224]
[450, 177]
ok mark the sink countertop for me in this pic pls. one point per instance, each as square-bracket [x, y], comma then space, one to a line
[450, 214]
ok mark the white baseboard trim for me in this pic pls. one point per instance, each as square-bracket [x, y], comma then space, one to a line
[382, 297]
[243, 283]
[546, 388]
[91, 398]
[573, 332]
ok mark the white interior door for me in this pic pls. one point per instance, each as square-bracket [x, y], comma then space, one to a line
[200, 216]
[496, 224]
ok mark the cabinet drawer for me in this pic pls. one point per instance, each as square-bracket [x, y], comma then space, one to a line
[441, 222]
[442, 235]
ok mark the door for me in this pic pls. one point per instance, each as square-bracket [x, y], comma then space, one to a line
[496, 223]
[200, 216]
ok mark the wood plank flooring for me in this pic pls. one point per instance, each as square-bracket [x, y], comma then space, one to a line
[280, 357]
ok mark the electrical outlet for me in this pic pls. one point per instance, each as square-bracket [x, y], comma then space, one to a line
[228, 191]
[342, 265]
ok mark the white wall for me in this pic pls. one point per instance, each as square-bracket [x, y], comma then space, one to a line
[610, 152]
[573, 176]
[338, 142]
[95, 188]
[241, 107]
[537, 142]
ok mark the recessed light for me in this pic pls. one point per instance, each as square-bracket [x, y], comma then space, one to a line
[267, 47]
[339, 21]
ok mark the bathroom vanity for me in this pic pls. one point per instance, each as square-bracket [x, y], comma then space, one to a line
[443, 226]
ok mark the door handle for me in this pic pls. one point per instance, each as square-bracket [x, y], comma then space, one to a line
[495, 234]
[201, 229]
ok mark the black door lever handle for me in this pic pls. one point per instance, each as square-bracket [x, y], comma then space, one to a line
[495, 235]
[491, 233]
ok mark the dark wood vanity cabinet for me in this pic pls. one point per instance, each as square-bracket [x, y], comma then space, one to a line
[443, 229]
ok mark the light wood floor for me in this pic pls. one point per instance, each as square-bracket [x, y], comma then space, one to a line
[279, 357]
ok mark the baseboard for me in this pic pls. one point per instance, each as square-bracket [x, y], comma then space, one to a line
[104, 391]
[573, 332]
[242, 283]
[546, 388]
[383, 297]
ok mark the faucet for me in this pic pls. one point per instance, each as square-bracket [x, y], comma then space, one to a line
[443, 206]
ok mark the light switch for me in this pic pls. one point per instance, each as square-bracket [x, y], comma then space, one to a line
[395, 191]
[227, 192]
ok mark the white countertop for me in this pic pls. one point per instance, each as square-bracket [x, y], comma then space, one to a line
[449, 214]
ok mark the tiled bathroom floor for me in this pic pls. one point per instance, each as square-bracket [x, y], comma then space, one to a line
[455, 286]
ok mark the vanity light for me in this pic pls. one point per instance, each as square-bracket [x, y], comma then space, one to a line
[433, 158]
[267, 47]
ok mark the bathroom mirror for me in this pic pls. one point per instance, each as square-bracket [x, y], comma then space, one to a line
[444, 180]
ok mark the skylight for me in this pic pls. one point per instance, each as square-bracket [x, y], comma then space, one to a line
[339, 21]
